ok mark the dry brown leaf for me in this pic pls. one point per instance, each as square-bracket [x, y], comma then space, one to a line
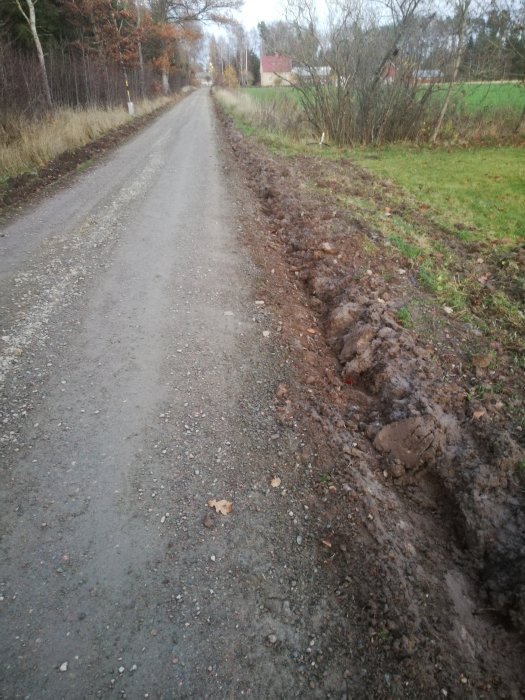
[327, 543]
[224, 507]
[481, 361]
[275, 482]
[312, 331]
[281, 392]
[479, 414]
[483, 279]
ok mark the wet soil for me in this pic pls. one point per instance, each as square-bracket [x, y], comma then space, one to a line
[419, 471]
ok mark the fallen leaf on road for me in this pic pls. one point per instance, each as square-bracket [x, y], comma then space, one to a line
[282, 390]
[224, 507]
[275, 482]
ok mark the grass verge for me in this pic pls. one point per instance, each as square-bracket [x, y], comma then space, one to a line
[475, 193]
[453, 216]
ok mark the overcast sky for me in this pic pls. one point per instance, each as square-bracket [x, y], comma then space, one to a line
[255, 11]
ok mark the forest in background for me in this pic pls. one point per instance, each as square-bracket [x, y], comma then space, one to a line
[98, 53]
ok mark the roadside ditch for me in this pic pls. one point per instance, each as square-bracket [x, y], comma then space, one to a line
[419, 482]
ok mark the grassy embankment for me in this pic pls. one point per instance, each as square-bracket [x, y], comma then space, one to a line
[454, 214]
[26, 145]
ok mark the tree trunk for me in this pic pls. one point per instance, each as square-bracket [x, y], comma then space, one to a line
[142, 79]
[31, 20]
[462, 10]
[521, 122]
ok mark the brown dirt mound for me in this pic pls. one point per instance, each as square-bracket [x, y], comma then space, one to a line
[431, 469]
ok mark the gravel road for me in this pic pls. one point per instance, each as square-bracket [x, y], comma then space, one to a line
[138, 382]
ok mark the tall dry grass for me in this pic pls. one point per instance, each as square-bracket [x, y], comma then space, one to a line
[281, 115]
[26, 145]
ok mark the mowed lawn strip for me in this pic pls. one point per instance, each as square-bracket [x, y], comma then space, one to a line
[269, 94]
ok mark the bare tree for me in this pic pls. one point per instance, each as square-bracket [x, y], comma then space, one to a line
[140, 52]
[182, 13]
[355, 71]
[461, 15]
[194, 10]
[30, 18]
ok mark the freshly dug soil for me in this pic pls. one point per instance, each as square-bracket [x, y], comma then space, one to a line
[419, 474]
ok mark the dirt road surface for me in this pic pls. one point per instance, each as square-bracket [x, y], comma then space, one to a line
[137, 385]
[164, 343]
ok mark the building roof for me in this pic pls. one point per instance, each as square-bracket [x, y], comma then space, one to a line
[276, 64]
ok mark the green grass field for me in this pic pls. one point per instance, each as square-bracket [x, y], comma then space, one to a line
[477, 198]
[483, 188]
[473, 97]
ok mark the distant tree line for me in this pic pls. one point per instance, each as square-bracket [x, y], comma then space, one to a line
[233, 58]
[495, 48]
[98, 52]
